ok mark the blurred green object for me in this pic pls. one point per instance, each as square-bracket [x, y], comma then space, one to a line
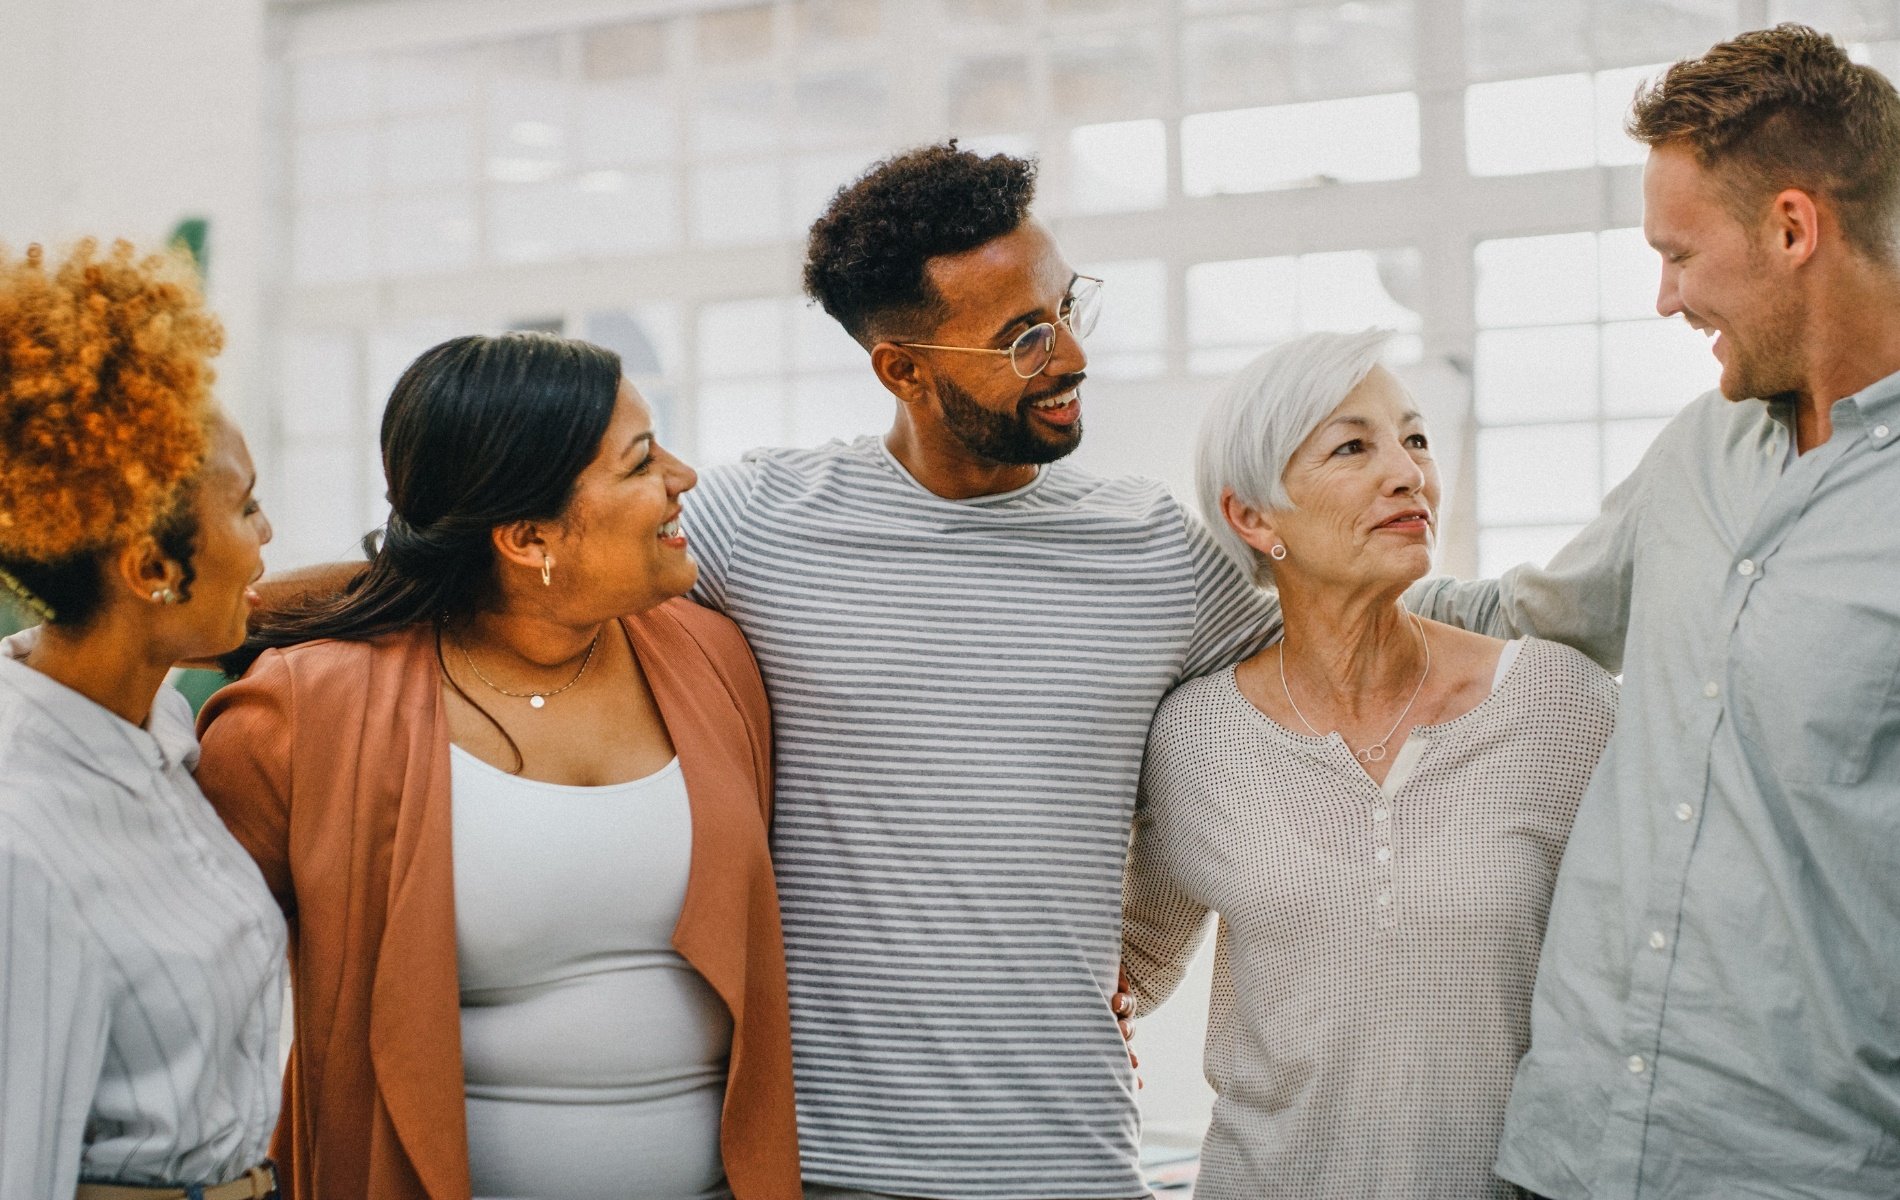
[198, 685]
[193, 236]
[12, 616]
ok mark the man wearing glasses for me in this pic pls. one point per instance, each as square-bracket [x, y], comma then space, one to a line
[964, 639]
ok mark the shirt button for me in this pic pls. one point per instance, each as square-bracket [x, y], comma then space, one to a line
[1385, 899]
[1745, 567]
[1684, 812]
[1710, 690]
[1380, 814]
[1881, 431]
[1637, 1064]
[1657, 941]
[1384, 854]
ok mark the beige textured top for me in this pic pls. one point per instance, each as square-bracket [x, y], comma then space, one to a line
[1377, 945]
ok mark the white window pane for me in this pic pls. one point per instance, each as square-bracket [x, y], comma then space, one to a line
[428, 152]
[820, 343]
[1858, 20]
[1345, 291]
[428, 233]
[1630, 275]
[1133, 330]
[1632, 31]
[1504, 38]
[840, 107]
[1247, 303]
[627, 212]
[1537, 280]
[332, 243]
[738, 203]
[1654, 367]
[837, 22]
[335, 163]
[1881, 56]
[1538, 374]
[816, 179]
[1354, 48]
[317, 384]
[1624, 444]
[1501, 549]
[839, 404]
[527, 130]
[1236, 61]
[627, 123]
[318, 519]
[391, 351]
[989, 95]
[636, 50]
[1105, 75]
[1525, 125]
[1364, 139]
[739, 35]
[647, 339]
[1615, 90]
[531, 222]
[426, 83]
[742, 337]
[1542, 474]
[1095, 9]
[328, 90]
[738, 415]
[1121, 167]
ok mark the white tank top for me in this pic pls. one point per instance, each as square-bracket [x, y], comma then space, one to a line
[594, 1056]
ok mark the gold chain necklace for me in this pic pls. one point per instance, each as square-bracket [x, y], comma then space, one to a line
[535, 699]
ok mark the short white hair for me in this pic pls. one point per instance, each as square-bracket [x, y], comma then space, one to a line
[1260, 417]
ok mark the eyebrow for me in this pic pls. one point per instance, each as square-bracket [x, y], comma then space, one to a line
[1033, 313]
[635, 443]
[1408, 417]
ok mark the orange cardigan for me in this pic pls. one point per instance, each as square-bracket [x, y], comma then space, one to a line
[330, 763]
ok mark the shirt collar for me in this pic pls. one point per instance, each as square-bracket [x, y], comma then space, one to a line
[127, 752]
[1878, 405]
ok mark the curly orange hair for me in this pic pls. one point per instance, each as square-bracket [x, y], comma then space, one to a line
[105, 396]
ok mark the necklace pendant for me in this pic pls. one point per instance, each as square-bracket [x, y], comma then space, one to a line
[537, 701]
[1371, 754]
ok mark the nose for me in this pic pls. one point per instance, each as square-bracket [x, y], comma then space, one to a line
[1668, 298]
[680, 477]
[1404, 475]
[1068, 356]
[264, 532]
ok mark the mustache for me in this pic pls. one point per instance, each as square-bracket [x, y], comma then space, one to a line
[1059, 386]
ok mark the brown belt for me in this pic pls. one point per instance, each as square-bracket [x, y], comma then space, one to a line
[255, 1184]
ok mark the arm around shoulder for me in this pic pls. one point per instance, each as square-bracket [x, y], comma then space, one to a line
[244, 768]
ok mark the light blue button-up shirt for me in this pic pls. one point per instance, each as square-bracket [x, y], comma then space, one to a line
[1717, 1013]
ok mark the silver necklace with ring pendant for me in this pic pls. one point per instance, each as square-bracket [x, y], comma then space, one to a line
[1376, 751]
[534, 699]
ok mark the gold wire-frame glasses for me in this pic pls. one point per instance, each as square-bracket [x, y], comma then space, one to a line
[1034, 348]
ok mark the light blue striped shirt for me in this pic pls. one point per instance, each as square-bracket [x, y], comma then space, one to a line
[961, 692]
[141, 957]
[1718, 1010]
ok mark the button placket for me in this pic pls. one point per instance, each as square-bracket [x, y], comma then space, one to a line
[1385, 901]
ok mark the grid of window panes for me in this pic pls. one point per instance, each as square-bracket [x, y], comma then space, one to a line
[645, 180]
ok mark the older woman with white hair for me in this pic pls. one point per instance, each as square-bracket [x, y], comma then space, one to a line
[1375, 807]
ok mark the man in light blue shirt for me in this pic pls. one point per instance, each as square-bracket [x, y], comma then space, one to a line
[1718, 1009]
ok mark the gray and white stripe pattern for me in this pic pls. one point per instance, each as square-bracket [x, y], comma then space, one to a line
[961, 691]
[141, 957]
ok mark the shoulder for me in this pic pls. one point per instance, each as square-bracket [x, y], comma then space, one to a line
[330, 673]
[1196, 711]
[1558, 676]
[1134, 496]
[713, 634]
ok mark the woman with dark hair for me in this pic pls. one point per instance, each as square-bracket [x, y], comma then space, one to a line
[141, 958]
[512, 793]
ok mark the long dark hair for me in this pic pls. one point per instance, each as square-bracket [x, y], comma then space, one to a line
[479, 432]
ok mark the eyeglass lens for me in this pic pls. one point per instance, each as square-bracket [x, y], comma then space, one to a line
[1030, 352]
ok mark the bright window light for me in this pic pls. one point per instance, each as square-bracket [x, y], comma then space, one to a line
[1522, 126]
[1544, 373]
[1539, 474]
[1652, 368]
[1119, 167]
[1361, 140]
[1536, 280]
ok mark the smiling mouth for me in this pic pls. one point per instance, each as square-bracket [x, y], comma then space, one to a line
[1415, 516]
[671, 529]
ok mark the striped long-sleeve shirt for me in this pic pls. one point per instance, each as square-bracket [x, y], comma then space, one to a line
[141, 958]
[961, 692]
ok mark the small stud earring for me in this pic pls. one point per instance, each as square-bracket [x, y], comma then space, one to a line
[1278, 553]
[164, 595]
[547, 571]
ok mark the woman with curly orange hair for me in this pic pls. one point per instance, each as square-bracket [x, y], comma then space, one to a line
[144, 957]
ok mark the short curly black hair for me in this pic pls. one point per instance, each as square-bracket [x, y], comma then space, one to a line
[864, 261]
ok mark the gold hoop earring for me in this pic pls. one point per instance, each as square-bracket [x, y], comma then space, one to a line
[547, 571]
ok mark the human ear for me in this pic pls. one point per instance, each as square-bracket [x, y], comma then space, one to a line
[142, 568]
[521, 544]
[1796, 220]
[1254, 527]
[900, 372]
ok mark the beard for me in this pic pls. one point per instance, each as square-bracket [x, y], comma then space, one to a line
[1014, 438]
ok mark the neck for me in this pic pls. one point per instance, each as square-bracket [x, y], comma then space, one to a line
[1853, 341]
[940, 463]
[1356, 650]
[534, 639]
[110, 662]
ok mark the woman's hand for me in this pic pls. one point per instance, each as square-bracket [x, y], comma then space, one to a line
[1122, 1004]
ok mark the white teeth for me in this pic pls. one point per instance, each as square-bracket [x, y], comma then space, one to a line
[671, 529]
[1054, 401]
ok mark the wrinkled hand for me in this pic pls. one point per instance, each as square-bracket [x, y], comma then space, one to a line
[1122, 1004]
